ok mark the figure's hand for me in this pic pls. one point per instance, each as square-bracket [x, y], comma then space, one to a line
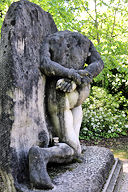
[86, 77]
[75, 76]
[86, 80]
[66, 85]
[85, 73]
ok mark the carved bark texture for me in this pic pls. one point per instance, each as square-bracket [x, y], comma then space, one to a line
[22, 118]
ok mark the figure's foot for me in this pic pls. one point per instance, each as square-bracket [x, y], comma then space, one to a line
[74, 143]
[76, 147]
[39, 177]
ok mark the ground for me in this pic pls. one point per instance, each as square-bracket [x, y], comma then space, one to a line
[119, 147]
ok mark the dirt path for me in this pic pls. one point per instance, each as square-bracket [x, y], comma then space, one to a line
[124, 181]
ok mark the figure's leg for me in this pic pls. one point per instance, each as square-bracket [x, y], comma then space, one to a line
[77, 119]
[61, 116]
[70, 137]
[38, 159]
[38, 175]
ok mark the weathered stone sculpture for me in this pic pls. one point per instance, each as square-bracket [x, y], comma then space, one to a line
[63, 55]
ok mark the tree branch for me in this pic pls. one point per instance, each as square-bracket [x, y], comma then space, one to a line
[88, 13]
[114, 22]
[96, 22]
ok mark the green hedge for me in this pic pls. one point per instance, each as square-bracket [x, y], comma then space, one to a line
[102, 117]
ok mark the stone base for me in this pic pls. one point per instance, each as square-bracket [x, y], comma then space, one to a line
[97, 167]
[113, 182]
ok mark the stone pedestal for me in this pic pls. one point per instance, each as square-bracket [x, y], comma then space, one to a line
[97, 172]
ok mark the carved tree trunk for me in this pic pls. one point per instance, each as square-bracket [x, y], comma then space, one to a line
[22, 115]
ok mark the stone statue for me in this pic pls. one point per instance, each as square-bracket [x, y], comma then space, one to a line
[63, 58]
[64, 55]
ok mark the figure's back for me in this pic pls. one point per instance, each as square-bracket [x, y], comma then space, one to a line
[69, 49]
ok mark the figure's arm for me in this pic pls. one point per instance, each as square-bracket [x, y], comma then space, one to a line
[94, 61]
[95, 66]
[52, 68]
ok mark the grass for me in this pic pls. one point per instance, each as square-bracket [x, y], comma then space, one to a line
[121, 154]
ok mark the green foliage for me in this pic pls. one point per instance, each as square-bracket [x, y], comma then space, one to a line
[4, 5]
[115, 57]
[102, 117]
[64, 12]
